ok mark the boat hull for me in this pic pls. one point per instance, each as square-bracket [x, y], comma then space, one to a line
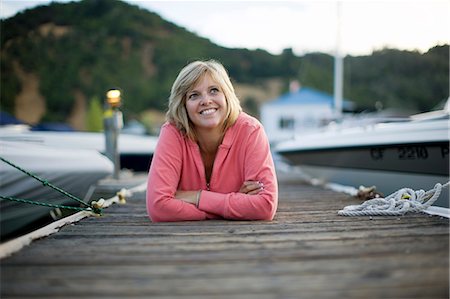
[389, 156]
[135, 151]
[71, 170]
[430, 158]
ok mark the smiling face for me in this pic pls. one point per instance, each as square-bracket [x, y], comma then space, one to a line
[206, 105]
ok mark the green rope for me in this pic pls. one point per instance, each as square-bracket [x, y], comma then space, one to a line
[46, 183]
[44, 204]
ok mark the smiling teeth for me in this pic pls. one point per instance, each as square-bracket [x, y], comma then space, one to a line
[208, 111]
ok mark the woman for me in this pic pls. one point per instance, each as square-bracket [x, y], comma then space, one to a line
[212, 160]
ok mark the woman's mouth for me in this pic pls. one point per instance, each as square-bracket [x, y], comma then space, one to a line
[208, 111]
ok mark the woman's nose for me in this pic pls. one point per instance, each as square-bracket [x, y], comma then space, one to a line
[205, 99]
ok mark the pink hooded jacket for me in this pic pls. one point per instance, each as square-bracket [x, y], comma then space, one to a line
[243, 155]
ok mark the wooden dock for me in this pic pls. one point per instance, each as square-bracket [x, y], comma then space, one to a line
[308, 251]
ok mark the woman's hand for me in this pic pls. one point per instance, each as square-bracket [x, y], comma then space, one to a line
[248, 187]
[251, 187]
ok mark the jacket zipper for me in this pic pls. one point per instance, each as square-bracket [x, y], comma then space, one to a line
[208, 184]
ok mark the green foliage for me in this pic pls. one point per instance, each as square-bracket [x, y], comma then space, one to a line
[250, 106]
[316, 71]
[93, 45]
[399, 79]
[10, 85]
[94, 121]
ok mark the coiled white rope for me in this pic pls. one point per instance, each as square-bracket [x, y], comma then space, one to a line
[398, 203]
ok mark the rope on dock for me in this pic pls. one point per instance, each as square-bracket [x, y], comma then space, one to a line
[8, 248]
[44, 204]
[398, 203]
[94, 207]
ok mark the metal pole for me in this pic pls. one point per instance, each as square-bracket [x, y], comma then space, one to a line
[118, 123]
[338, 69]
[113, 122]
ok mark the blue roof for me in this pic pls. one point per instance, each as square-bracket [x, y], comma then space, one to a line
[303, 96]
[8, 119]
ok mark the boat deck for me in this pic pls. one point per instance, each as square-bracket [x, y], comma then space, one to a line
[308, 251]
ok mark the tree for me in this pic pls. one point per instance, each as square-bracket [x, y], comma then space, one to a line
[94, 120]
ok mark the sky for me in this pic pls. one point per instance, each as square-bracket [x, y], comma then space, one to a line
[303, 25]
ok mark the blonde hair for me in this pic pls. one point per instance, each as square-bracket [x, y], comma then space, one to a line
[187, 78]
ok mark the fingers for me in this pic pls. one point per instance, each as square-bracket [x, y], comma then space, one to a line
[254, 192]
[251, 187]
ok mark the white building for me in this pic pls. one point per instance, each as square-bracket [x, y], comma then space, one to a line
[295, 112]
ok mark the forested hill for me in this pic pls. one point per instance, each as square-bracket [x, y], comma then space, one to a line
[65, 56]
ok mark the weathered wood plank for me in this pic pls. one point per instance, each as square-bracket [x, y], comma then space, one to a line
[340, 284]
[307, 251]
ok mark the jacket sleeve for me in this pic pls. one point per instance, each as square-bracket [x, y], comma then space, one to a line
[163, 179]
[258, 165]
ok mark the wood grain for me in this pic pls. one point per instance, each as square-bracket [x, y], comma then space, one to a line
[308, 251]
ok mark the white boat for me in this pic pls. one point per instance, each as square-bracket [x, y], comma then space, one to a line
[72, 170]
[388, 155]
[135, 151]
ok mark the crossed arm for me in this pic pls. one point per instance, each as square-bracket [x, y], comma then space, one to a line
[192, 197]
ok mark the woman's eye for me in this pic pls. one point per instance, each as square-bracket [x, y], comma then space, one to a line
[192, 96]
[214, 90]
